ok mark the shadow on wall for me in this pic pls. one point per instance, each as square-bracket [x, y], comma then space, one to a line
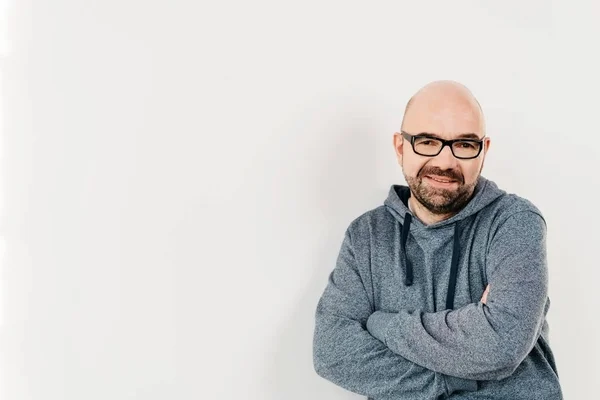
[346, 168]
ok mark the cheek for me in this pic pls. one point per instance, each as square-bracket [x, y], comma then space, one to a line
[470, 171]
[412, 167]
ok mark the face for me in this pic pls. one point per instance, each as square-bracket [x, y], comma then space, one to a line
[443, 184]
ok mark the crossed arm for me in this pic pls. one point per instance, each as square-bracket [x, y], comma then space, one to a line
[425, 355]
[345, 353]
[489, 339]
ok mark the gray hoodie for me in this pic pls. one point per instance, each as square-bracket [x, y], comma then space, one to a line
[401, 316]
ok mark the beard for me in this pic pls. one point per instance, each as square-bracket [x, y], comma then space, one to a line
[440, 201]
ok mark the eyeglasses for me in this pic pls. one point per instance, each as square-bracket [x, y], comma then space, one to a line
[426, 145]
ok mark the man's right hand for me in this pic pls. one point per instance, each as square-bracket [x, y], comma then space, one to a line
[484, 297]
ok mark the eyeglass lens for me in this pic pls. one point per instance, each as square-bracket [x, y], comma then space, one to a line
[431, 147]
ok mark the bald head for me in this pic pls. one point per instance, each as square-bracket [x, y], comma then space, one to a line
[445, 110]
[443, 107]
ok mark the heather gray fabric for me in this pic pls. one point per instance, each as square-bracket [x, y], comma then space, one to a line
[387, 337]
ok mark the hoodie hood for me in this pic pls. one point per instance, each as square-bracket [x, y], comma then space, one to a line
[396, 203]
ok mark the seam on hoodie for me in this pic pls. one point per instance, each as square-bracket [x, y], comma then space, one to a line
[372, 300]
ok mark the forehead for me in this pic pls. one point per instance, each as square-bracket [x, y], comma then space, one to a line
[444, 118]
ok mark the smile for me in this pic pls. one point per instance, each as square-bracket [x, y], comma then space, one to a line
[440, 181]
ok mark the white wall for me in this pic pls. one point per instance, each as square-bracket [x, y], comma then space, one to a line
[177, 178]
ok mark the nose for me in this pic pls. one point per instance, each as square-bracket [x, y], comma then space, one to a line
[445, 160]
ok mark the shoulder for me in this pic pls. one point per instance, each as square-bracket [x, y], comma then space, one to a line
[516, 216]
[373, 222]
[513, 206]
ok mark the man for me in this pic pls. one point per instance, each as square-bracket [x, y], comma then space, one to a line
[441, 292]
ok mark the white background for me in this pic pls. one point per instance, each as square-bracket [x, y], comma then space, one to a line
[177, 178]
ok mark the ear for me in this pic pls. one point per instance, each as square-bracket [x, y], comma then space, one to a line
[486, 145]
[398, 146]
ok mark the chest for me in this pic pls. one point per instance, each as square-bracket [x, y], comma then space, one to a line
[431, 259]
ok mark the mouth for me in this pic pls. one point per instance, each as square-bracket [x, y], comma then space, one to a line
[440, 181]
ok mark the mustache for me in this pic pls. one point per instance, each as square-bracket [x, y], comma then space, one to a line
[450, 174]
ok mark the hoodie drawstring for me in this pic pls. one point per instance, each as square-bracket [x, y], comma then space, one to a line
[408, 269]
[453, 269]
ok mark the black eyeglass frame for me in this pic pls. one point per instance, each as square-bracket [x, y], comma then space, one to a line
[449, 143]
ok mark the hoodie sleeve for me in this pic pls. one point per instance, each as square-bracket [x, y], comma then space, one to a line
[347, 355]
[479, 341]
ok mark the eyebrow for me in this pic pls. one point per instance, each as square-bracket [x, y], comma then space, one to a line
[461, 136]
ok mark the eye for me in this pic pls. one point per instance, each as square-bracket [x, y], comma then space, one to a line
[428, 142]
[466, 145]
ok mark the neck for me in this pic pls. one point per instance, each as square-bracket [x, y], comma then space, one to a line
[426, 216]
